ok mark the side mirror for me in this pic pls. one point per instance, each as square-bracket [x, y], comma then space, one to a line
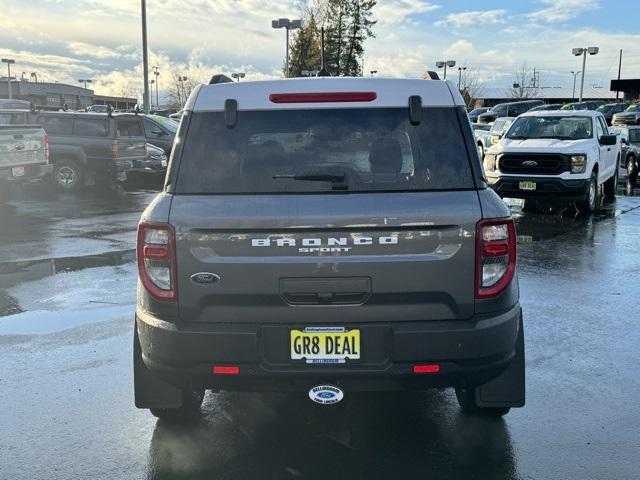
[158, 132]
[624, 141]
[608, 140]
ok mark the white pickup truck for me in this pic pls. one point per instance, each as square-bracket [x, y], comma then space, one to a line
[556, 156]
[24, 156]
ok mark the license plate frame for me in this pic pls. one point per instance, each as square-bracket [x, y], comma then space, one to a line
[350, 350]
[528, 185]
[17, 172]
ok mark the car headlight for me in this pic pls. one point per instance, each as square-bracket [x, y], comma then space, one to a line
[578, 163]
[490, 162]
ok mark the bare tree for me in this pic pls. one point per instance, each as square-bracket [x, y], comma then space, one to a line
[470, 86]
[179, 90]
[526, 83]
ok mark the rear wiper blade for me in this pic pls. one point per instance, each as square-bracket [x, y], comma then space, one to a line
[314, 177]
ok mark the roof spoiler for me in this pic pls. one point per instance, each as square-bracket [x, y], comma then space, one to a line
[432, 75]
[219, 78]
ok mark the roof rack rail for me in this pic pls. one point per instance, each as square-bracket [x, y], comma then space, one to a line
[219, 78]
[433, 75]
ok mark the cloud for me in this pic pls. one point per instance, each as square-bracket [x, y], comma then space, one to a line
[89, 50]
[563, 10]
[396, 11]
[466, 19]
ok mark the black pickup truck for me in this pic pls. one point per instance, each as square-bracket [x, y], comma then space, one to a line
[88, 148]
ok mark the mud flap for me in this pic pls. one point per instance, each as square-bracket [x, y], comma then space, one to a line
[507, 389]
[150, 391]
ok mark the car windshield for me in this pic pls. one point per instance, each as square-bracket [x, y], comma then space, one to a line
[282, 151]
[634, 135]
[501, 125]
[165, 122]
[633, 107]
[560, 127]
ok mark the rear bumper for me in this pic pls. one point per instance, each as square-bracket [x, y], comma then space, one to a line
[546, 188]
[31, 172]
[469, 352]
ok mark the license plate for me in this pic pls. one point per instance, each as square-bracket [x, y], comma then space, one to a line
[17, 171]
[527, 185]
[325, 344]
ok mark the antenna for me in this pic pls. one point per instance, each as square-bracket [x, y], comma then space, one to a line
[323, 70]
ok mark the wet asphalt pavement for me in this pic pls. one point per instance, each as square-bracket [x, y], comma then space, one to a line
[67, 295]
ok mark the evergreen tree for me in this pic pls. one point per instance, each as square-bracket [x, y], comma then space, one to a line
[305, 49]
[360, 28]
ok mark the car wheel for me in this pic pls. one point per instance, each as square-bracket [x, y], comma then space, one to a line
[191, 403]
[592, 198]
[67, 175]
[481, 151]
[611, 185]
[467, 400]
[632, 171]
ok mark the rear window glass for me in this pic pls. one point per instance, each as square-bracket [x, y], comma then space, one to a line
[91, 127]
[129, 127]
[353, 150]
[12, 118]
[59, 125]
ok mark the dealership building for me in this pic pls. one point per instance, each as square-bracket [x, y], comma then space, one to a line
[53, 96]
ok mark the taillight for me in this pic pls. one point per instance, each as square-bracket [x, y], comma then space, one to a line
[46, 147]
[157, 260]
[495, 256]
[323, 97]
[114, 149]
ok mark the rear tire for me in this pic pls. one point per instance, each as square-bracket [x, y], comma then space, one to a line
[591, 201]
[481, 151]
[191, 403]
[467, 401]
[632, 171]
[68, 175]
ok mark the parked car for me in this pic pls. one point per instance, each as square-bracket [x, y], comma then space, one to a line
[547, 107]
[630, 149]
[326, 247]
[610, 109]
[98, 108]
[160, 131]
[498, 129]
[176, 117]
[165, 112]
[481, 133]
[24, 156]
[508, 109]
[558, 156]
[154, 163]
[631, 116]
[473, 114]
[92, 148]
[14, 104]
[586, 105]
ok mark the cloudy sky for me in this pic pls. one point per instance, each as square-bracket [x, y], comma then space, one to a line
[65, 40]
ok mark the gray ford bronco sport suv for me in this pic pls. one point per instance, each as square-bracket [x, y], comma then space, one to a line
[324, 236]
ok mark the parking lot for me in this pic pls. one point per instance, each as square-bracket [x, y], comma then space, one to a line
[67, 296]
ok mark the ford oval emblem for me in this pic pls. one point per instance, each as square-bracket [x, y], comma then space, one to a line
[20, 146]
[205, 278]
[326, 394]
[530, 163]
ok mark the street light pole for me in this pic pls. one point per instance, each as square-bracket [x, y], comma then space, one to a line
[448, 63]
[460, 70]
[288, 25]
[156, 72]
[9, 61]
[583, 51]
[145, 56]
[85, 81]
[575, 74]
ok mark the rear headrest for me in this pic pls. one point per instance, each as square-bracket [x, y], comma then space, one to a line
[385, 156]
